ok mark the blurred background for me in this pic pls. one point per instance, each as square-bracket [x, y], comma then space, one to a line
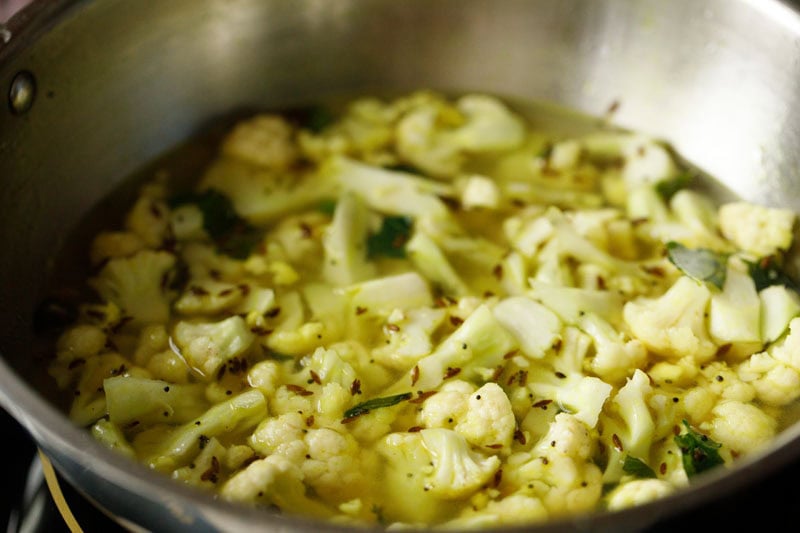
[9, 7]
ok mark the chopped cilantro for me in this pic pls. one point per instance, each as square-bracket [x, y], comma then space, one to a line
[637, 467]
[390, 240]
[699, 263]
[376, 403]
[699, 453]
[327, 206]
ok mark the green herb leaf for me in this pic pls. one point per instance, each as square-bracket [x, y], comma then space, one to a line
[637, 467]
[699, 263]
[376, 403]
[232, 234]
[767, 272]
[327, 206]
[391, 239]
[405, 167]
[667, 188]
[699, 453]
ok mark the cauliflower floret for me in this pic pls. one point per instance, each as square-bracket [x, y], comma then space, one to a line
[535, 326]
[557, 470]
[333, 466]
[208, 345]
[80, 342]
[479, 192]
[113, 244]
[136, 285]
[673, 325]
[787, 351]
[757, 229]
[447, 406]
[479, 123]
[149, 219]
[775, 383]
[186, 223]
[281, 435]
[273, 480]
[638, 492]
[489, 420]
[583, 396]
[483, 416]
[208, 297]
[615, 355]
[457, 470]
[409, 338]
[740, 427]
[264, 140]
[631, 403]
[265, 376]
[514, 509]
[169, 366]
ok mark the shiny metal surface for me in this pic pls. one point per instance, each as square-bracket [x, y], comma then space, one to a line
[119, 81]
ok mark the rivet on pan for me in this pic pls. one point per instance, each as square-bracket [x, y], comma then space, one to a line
[22, 93]
[5, 34]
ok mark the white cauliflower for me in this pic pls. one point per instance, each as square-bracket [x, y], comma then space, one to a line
[264, 140]
[489, 420]
[208, 297]
[583, 396]
[479, 192]
[535, 326]
[113, 244]
[557, 470]
[483, 416]
[631, 403]
[409, 336]
[673, 325]
[516, 509]
[614, 355]
[335, 465]
[281, 435]
[638, 492]
[779, 305]
[734, 314]
[343, 240]
[274, 480]
[775, 383]
[447, 406]
[149, 219]
[757, 229]
[478, 124]
[741, 427]
[457, 470]
[138, 285]
[206, 346]
[236, 415]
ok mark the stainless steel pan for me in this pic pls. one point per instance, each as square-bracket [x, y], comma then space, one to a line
[95, 89]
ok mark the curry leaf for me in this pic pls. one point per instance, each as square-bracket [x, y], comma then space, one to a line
[767, 272]
[699, 263]
[232, 234]
[375, 403]
[637, 467]
[391, 238]
[698, 452]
